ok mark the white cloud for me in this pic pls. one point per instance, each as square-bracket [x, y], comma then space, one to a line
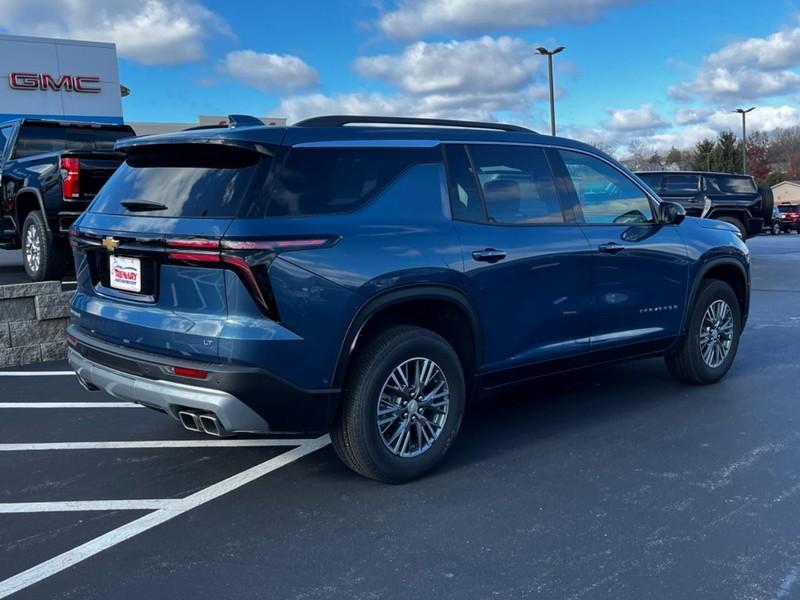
[779, 50]
[691, 116]
[445, 106]
[417, 18]
[474, 66]
[270, 72]
[150, 32]
[642, 119]
[747, 69]
[742, 83]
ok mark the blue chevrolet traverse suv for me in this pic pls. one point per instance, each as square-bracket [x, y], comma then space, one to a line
[366, 275]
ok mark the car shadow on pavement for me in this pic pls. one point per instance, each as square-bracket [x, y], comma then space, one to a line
[523, 415]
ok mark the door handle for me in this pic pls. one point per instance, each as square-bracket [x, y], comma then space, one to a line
[489, 255]
[611, 248]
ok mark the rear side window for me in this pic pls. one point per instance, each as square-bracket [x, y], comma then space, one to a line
[682, 183]
[186, 180]
[724, 184]
[40, 139]
[653, 180]
[517, 185]
[315, 181]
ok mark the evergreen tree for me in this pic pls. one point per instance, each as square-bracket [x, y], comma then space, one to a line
[702, 155]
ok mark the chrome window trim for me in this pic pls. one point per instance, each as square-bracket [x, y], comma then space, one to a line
[647, 194]
[377, 143]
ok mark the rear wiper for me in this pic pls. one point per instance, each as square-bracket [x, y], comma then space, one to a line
[142, 205]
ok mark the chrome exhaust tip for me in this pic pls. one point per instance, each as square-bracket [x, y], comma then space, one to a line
[89, 387]
[211, 425]
[190, 421]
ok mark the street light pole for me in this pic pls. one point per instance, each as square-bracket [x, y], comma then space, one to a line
[743, 112]
[549, 54]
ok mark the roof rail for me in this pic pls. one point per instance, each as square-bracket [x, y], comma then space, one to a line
[341, 120]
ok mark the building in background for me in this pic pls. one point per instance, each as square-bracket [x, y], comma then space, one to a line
[59, 79]
[786, 191]
[159, 127]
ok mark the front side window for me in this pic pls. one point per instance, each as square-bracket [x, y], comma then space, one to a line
[651, 179]
[465, 199]
[517, 185]
[605, 194]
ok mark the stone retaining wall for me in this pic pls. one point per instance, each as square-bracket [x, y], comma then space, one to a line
[33, 321]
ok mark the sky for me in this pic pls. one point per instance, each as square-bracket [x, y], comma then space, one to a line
[659, 72]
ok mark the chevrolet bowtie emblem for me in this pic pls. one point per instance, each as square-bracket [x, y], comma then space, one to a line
[110, 244]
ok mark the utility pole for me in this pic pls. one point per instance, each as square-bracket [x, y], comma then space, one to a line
[743, 112]
[549, 54]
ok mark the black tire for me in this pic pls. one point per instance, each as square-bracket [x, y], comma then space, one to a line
[767, 202]
[356, 437]
[687, 364]
[736, 222]
[43, 260]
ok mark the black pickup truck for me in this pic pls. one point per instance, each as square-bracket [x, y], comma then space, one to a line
[736, 199]
[49, 172]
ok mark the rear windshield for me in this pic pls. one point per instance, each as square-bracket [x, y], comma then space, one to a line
[40, 139]
[186, 180]
[724, 184]
[313, 181]
[788, 208]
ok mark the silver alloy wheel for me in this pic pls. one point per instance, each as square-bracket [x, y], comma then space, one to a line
[412, 407]
[33, 247]
[716, 333]
[776, 228]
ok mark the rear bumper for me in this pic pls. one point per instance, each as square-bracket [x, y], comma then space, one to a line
[245, 400]
[167, 396]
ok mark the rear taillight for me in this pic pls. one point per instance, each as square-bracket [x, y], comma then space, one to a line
[249, 259]
[71, 173]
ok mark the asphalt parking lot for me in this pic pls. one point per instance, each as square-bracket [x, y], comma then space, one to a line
[610, 483]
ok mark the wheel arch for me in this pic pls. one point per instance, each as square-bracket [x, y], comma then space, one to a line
[27, 200]
[440, 303]
[729, 270]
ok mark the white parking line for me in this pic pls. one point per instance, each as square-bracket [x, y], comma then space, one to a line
[72, 557]
[69, 405]
[81, 505]
[124, 445]
[35, 373]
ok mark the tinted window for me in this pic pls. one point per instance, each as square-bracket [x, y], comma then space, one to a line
[605, 194]
[315, 181]
[787, 208]
[190, 181]
[517, 185]
[39, 139]
[5, 132]
[724, 184]
[465, 199]
[682, 183]
[653, 180]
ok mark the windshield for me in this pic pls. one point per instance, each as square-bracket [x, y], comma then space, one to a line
[787, 208]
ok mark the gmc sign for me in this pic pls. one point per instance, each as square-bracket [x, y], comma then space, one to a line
[45, 82]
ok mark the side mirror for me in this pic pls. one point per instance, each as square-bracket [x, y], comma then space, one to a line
[672, 213]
